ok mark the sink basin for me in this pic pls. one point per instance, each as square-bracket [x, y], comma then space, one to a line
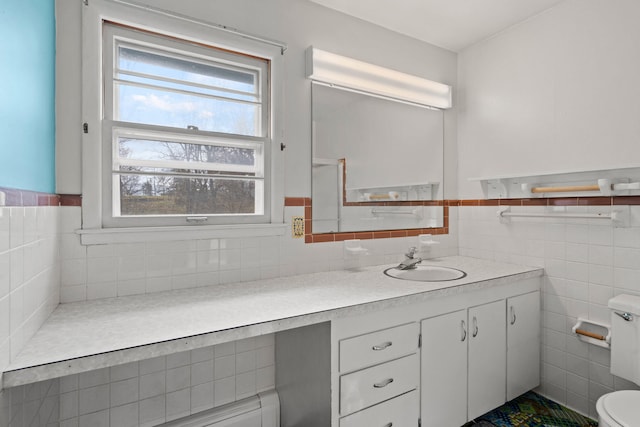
[426, 273]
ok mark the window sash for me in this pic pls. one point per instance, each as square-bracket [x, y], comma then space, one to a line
[124, 82]
[255, 144]
[259, 173]
[111, 199]
[121, 43]
[186, 209]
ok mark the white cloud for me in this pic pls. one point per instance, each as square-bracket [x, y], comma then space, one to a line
[164, 103]
[204, 114]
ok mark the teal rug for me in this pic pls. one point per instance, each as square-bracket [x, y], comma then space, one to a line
[533, 410]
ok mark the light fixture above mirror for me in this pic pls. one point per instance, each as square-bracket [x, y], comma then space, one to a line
[351, 74]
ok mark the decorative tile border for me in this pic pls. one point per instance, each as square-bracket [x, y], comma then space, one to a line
[309, 237]
[16, 198]
[70, 200]
[24, 198]
[384, 234]
[550, 201]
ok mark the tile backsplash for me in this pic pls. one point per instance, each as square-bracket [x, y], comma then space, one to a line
[103, 271]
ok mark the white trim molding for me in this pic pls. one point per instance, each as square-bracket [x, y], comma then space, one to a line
[104, 236]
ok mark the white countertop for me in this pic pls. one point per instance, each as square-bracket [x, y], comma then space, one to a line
[83, 336]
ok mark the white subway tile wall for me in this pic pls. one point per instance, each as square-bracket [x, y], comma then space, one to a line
[29, 292]
[586, 263]
[34, 278]
[154, 391]
[34, 405]
[102, 271]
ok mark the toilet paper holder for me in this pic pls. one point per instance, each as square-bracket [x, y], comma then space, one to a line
[592, 332]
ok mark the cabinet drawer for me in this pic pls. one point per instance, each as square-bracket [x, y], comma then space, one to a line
[401, 411]
[367, 387]
[377, 347]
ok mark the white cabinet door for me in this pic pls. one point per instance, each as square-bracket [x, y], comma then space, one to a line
[487, 358]
[444, 370]
[523, 344]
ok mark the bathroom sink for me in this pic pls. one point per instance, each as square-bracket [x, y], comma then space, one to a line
[426, 273]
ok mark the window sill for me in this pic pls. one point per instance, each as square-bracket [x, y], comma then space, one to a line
[104, 236]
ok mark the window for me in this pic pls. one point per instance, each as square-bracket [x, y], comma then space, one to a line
[179, 119]
[186, 132]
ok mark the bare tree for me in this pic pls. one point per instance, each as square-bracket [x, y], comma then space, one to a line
[129, 183]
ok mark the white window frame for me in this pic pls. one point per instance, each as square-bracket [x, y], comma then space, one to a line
[96, 227]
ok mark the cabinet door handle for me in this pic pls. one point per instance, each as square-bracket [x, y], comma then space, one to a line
[475, 327]
[382, 346]
[384, 383]
[388, 425]
[513, 315]
[463, 330]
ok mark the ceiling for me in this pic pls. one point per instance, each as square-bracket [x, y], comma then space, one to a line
[451, 24]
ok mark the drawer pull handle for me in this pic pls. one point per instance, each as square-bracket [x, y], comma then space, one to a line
[382, 346]
[383, 383]
[388, 425]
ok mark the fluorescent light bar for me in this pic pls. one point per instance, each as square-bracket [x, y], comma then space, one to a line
[350, 73]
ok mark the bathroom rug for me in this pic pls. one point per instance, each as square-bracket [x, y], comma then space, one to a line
[533, 410]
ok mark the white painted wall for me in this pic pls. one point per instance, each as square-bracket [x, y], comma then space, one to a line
[299, 24]
[556, 93]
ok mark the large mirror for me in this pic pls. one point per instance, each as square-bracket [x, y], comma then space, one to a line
[377, 163]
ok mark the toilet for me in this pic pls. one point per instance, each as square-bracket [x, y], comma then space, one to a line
[622, 408]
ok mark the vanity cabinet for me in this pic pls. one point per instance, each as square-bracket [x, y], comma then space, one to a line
[430, 362]
[463, 364]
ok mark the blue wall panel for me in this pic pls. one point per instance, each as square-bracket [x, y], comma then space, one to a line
[27, 95]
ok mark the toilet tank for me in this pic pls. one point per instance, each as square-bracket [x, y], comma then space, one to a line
[625, 337]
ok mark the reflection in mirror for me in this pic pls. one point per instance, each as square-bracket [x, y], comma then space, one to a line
[377, 163]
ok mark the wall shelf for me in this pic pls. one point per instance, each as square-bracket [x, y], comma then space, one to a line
[395, 193]
[597, 183]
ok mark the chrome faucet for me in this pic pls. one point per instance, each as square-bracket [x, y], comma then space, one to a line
[410, 260]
